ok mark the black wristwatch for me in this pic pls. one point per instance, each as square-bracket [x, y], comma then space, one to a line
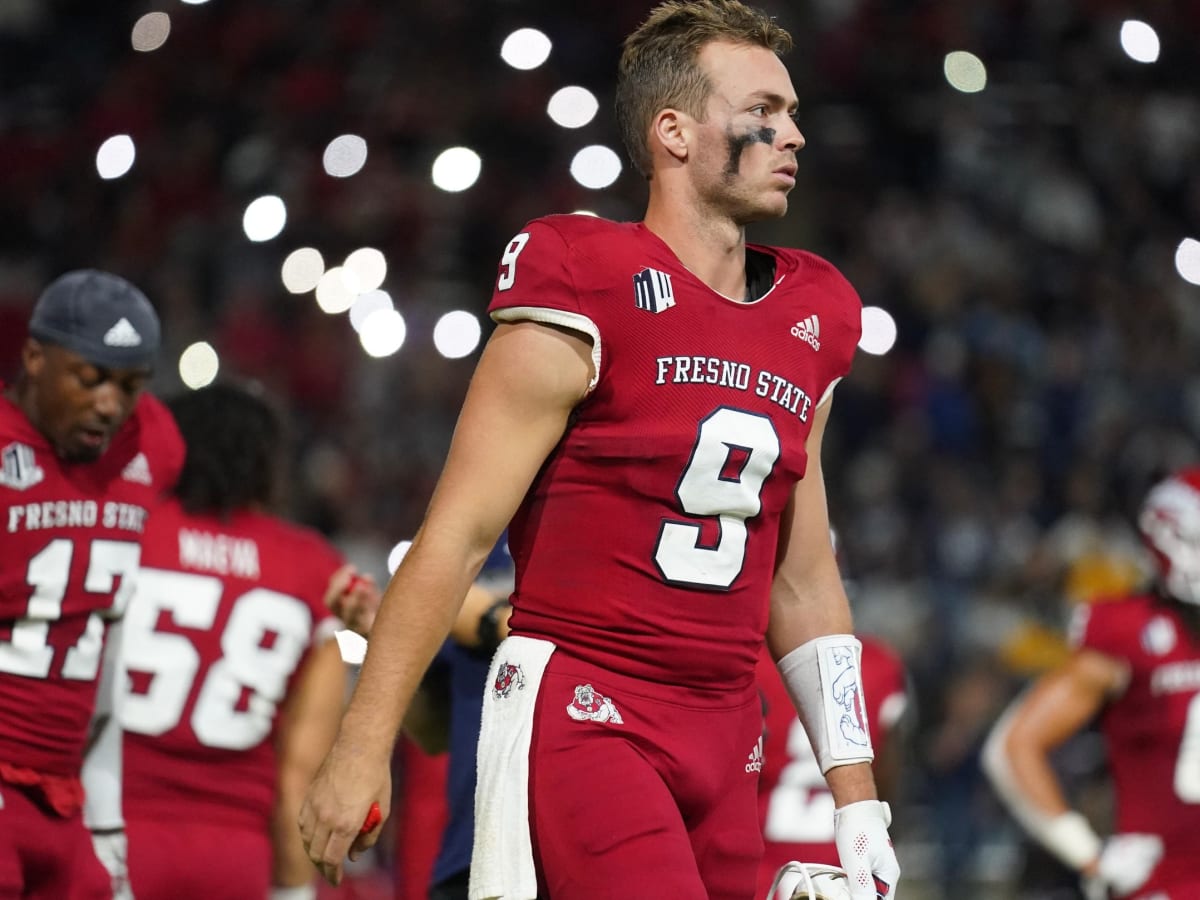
[489, 627]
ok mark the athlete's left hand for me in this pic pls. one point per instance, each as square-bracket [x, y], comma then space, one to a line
[865, 849]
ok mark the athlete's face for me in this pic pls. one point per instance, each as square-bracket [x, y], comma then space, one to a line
[745, 161]
[78, 406]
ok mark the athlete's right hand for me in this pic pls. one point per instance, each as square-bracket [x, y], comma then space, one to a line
[1126, 863]
[336, 806]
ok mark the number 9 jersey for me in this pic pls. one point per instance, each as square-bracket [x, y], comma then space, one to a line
[657, 515]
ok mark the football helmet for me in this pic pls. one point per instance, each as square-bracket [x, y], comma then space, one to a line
[1170, 526]
[809, 881]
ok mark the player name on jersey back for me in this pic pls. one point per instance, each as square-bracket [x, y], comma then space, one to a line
[221, 554]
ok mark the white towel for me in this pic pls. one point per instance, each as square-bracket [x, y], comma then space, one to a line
[502, 857]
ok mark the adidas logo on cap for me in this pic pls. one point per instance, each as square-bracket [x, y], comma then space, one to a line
[123, 334]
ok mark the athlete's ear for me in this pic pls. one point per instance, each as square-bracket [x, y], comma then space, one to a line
[672, 130]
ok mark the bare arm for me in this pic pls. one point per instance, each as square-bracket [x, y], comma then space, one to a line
[528, 380]
[1017, 755]
[478, 602]
[306, 731]
[807, 596]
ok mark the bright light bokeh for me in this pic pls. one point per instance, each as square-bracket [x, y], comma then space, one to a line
[198, 365]
[367, 303]
[194, 2]
[382, 332]
[572, 107]
[1187, 260]
[302, 270]
[337, 290]
[264, 218]
[1140, 41]
[150, 31]
[596, 166]
[369, 267]
[396, 556]
[456, 169]
[584, 212]
[525, 48]
[878, 331]
[344, 156]
[115, 157]
[965, 72]
[457, 334]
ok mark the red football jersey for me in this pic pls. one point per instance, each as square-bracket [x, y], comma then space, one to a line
[73, 534]
[647, 543]
[223, 617]
[1152, 731]
[795, 806]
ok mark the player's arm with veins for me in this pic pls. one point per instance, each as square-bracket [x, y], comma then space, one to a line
[529, 378]
[308, 723]
[102, 767]
[1016, 756]
[810, 625]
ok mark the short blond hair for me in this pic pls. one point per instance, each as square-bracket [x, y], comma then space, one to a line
[659, 67]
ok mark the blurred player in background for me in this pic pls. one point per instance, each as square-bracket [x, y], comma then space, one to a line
[234, 686]
[85, 454]
[649, 415]
[1136, 665]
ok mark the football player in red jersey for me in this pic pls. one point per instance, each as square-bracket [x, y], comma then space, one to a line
[1136, 665]
[795, 806]
[84, 456]
[648, 414]
[234, 685]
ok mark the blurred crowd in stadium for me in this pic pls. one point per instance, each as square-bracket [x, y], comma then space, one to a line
[982, 474]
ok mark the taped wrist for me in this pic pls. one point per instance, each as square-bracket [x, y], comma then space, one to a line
[1069, 837]
[298, 892]
[824, 679]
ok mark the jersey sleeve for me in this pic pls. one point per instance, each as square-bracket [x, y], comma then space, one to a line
[535, 283]
[1111, 628]
[161, 442]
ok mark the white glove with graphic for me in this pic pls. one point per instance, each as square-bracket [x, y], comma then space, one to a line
[1126, 863]
[112, 851]
[865, 849]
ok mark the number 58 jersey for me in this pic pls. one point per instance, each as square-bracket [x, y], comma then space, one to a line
[225, 613]
[648, 540]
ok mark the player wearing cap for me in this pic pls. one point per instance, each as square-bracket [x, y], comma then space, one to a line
[84, 456]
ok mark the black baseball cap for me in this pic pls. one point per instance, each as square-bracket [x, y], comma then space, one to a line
[100, 316]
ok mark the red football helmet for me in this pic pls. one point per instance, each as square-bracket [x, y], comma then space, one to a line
[1170, 525]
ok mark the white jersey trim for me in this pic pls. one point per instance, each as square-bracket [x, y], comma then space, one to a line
[562, 318]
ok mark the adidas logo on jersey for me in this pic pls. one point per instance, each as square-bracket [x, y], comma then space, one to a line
[138, 470]
[755, 761]
[809, 331]
[652, 290]
[19, 468]
[123, 334]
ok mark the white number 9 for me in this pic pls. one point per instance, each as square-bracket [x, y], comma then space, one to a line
[508, 262]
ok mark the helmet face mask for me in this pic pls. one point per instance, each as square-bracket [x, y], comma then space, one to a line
[809, 881]
[1170, 526]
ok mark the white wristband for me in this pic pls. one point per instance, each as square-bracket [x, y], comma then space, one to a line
[298, 892]
[824, 679]
[1069, 837]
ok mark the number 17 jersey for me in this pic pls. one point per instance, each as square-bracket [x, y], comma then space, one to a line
[647, 542]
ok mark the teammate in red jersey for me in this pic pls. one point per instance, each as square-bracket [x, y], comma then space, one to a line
[795, 806]
[84, 456]
[234, 688]
[648, 414]
[1136, 665]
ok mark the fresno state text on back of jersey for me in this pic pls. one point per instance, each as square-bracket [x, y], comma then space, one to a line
[223, 618]
[72, 544]
[661, 516]
[795, 804]
[1152, 731]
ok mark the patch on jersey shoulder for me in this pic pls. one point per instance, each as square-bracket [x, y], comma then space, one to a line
[652, 290]
[19, 468]
[1159, 637]
[591, 706]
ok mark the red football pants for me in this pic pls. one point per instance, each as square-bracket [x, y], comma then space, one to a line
[181, 860]
[44, 856]
[663, 804]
